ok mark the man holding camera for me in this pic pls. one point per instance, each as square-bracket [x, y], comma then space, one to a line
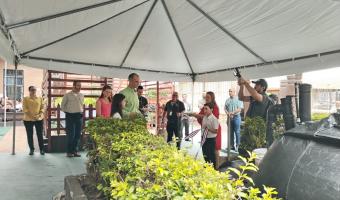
[259, 101]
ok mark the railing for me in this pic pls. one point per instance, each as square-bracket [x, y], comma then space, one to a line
[88, 113]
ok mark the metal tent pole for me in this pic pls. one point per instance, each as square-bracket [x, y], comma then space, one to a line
[15, 110]
[5, 94]
[192, 103]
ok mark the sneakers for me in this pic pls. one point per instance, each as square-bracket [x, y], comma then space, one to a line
[69, 155]
[31, 152]
[76, 154]
[42, 152]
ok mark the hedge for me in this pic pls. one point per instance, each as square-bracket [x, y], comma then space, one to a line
[131, 163]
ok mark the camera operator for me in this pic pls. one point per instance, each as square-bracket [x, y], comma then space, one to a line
[259, 100]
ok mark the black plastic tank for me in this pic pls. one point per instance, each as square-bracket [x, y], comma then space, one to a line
[304, 164]
[305, 102]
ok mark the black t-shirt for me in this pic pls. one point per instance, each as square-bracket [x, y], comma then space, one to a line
[172, 108]
[143, 102]
[257, 108]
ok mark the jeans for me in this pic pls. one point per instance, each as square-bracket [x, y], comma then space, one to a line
[39, 130]
[235, 126]
[173, 128]
[208, 149]
[73, 130]
[185, 124]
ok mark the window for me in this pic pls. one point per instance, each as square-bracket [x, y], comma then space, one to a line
[10, 80]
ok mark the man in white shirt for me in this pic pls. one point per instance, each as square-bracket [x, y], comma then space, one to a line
[185, 117]
[72, 105]
[209, 124]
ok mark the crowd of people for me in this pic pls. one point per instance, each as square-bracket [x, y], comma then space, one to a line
[130, 103]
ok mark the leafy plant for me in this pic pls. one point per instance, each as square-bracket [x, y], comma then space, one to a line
[131, 163]
[152, 93]
[254, 134]
[278, 127]
[319, 116]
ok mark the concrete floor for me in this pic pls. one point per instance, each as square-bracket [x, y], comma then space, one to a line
[24, 177]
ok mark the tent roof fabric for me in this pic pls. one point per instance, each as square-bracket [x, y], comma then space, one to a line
[172, 39]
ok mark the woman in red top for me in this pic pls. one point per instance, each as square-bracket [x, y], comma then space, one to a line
[210, 98]
[103, 105]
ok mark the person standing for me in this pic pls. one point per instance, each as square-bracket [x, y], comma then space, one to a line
[72, 105]
[233, 108]
[210, 98]
[202, 101]
[118, 104]
[185, 117]
[143, 102]
[209, 124]
[174, 110]
[131, 109]
[259, 101]
[103, 104]
[33, 108]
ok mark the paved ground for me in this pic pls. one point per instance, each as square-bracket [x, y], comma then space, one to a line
[24, 177]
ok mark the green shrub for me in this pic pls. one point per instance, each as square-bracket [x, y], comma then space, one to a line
[130, 163]
[319, 116]
[253, 134]
[278, 127]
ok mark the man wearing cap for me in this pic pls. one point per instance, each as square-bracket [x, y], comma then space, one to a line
[258, 98]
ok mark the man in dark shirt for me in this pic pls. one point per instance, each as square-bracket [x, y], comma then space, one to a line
[258, 98]
[173, 111]
[143, 102]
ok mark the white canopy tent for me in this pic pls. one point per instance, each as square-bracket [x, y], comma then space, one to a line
[178, 40]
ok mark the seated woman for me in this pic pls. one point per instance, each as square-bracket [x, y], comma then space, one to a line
[103, 105]
[118, 104]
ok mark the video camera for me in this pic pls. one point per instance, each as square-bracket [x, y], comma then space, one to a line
[237, 73]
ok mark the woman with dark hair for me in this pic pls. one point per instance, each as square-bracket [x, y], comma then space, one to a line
[210, 98]
[118, 104]
[103, 105]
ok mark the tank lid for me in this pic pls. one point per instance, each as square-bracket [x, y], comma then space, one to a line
[326, 128]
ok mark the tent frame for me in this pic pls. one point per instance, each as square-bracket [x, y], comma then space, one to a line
[41, 19]
[5, 29]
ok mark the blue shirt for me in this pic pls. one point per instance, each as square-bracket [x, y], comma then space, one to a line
[233, 104]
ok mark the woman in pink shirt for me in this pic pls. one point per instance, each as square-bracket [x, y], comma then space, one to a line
[103, 105]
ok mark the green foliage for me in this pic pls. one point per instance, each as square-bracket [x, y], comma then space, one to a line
[88, 101]
[253, 134]
[131, 163]
[152, 93]
[278, 127]
[319, 116]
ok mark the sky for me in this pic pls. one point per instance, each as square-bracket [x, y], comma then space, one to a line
[325, 79]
